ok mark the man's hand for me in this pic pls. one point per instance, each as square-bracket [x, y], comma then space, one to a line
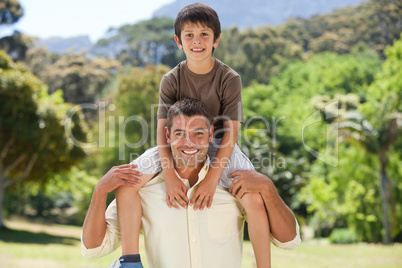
[117, 176]
[248, 181]
[176, 191]
[204, 195]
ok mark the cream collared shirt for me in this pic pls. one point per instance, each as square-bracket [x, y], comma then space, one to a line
[185, 238]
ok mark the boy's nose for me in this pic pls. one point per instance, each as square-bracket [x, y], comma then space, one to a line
[197, 41]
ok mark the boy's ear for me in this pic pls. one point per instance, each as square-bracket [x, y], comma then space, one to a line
[215, 45]
[167, 135]
[177, 40]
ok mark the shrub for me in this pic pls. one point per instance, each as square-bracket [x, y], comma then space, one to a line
[343, 236]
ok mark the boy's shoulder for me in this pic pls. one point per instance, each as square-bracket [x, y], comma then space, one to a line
[221, 69]
[175, 70]
[225, 68]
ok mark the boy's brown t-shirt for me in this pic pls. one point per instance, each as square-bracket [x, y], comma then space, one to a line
[219, 90]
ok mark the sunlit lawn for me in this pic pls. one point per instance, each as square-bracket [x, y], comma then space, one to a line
[39, 245]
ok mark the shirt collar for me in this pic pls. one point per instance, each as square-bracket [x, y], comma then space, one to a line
[201, 175]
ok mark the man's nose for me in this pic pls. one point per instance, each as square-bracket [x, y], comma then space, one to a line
[188, 142]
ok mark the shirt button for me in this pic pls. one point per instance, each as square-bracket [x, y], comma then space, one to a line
[196, 260]
[194, 240]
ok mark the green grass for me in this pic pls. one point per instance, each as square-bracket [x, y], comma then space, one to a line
[41, 245]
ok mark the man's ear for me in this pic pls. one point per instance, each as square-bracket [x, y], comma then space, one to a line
[177, 40]
[215, 45]
[211, 133]
[167, 135]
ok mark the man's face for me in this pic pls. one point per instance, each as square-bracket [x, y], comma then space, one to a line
[188, 138]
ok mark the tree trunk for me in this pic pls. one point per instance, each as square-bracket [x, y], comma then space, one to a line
[385, 199]
[1, 200]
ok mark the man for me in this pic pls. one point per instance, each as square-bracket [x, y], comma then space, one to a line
[187, 237]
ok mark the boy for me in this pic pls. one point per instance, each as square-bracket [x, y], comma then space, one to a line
[197, 32]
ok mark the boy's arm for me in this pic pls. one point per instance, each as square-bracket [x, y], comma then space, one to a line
[204, 194]
[175, 189]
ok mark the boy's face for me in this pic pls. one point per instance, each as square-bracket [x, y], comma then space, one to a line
[197, 42]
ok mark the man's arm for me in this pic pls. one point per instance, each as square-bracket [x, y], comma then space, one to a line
[94, 228]
[281, 219]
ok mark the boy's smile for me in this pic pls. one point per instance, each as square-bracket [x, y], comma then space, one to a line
[197, 42]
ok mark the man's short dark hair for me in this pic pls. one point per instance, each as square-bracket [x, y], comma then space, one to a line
[198, 13]
[188, 107]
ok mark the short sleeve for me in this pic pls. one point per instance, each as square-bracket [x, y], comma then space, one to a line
[167, 96]
[232, 106]
[290, 244]
[111, 241]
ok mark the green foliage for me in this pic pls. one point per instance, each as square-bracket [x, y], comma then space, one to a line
[17, 45]
[10, 11]
[129, 123]
[64, 198]
[147, 42]
[34, 143]
[81, 79]
[343, 236]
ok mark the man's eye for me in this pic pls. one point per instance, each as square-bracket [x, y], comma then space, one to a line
[199, 133]
[179, 134]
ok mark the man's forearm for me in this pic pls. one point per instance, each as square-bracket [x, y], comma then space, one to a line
[94, 228]
[281, 219]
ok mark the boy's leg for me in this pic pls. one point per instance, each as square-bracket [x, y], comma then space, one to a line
[258, 228]
[129, 210]
[129, 213]
[257, 216]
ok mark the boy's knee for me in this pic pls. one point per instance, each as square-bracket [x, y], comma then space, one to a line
[253, 201]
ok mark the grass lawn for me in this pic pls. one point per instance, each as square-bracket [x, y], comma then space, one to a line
[41, 245]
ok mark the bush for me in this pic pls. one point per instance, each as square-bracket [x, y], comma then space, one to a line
[343, 236]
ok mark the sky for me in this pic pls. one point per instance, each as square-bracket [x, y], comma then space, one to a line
[68, 18]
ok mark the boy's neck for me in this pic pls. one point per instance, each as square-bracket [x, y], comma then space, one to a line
[203, 67]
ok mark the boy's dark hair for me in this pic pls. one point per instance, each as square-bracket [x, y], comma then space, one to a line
[188, 107]
[198, 13]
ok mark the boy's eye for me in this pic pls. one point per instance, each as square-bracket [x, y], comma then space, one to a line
[204, 34]
[189, 35]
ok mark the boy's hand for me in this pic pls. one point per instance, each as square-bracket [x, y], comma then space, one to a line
[204, 195]
[124, 175]
[248, 181]
[176, 191]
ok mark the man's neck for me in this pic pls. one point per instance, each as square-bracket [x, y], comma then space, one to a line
[189, 173]
[201, 67]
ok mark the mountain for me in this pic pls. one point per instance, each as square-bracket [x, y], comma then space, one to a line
[62, 45]
[253, 13]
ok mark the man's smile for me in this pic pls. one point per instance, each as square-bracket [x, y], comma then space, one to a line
[190, 152]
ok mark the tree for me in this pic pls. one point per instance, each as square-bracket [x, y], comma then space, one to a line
[81, 79]
[147, 42]
[129, 122]
[10, 11]
[377, 124]
[34, 129]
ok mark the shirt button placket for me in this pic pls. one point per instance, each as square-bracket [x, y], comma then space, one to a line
[195, 247]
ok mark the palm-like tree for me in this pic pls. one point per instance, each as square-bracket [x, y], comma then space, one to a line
[376, 138]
